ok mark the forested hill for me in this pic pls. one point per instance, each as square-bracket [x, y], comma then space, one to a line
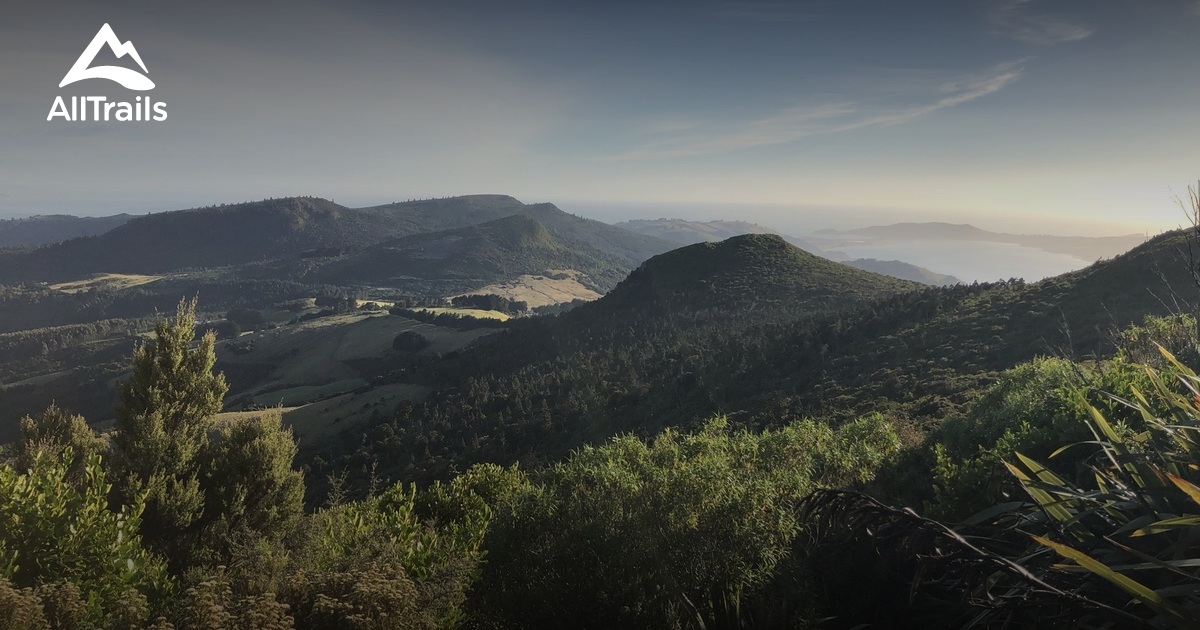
[625, 246]
[202, 237]
[274, 229]
[53, 228]
[747, 274]
[537, 392]
[466, 258]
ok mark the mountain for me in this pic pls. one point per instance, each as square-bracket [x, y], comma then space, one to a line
[277, 229]
[751, 272]
[434, 215]
[627, 247]
[1088, 248]
[613, 366]
[53, 228]
[689, 232]
[904, 271]
[202, 238]
[467, 258]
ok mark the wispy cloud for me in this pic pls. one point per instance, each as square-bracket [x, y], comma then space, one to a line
[795, 123]
[1014, 18]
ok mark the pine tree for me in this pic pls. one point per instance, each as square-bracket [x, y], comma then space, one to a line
[165, 412]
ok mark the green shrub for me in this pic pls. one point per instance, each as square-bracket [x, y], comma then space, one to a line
[684, 530]
[51, 433]
[1033, 408]
[1132, 527]
[250, 488]
[63, 534]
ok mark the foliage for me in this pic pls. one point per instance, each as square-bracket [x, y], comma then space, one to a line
[1034, 408]
[490, 302]
[165, 413]
[393, 549]
[250, 488]
[874, 565]
[247, 318]
[1131, 529]
[53, 433]
[56, 532]
[410, 341]
[687, 529]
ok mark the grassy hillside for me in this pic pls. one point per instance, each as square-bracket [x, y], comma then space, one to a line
[463, 259]
[53, 228]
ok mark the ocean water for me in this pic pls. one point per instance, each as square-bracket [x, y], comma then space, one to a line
[971, 260]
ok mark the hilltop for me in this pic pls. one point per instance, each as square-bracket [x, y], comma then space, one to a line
[201, 238]
[285, 229]
[621, 245]
[689, 232]
[758, 330]
[53, 228]
[752, 272]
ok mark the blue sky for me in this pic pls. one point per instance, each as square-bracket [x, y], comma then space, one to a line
[1025, 115]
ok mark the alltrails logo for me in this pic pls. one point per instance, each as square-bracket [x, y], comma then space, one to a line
[99, 107]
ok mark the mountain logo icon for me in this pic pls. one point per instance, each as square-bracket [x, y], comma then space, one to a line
[130, 79]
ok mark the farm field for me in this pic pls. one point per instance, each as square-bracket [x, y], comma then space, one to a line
[553, 287]
[106, 282]
[313, 361]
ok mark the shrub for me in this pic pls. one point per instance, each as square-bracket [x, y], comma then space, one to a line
[63, 534]
[410, 341]
[662, 534]
[52, 433]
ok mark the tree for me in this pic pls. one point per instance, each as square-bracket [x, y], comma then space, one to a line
[250, 488]
[410, 341]
[163, 417]
[247, 318]
[52, 433]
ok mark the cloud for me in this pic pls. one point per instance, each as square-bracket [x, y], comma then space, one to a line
[1194, 9]
[795, 123]
[1014, 19]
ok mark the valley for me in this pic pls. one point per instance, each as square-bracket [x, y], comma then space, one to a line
[524, 340]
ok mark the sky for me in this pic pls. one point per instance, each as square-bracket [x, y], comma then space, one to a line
[1034, 116]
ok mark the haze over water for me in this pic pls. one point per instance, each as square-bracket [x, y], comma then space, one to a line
[972, 261]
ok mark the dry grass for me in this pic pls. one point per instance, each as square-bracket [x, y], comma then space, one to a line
[470, 312]
[554, 287]
[105, 281]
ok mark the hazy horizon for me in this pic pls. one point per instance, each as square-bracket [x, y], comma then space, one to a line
[795, 220]
[1024, 115]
